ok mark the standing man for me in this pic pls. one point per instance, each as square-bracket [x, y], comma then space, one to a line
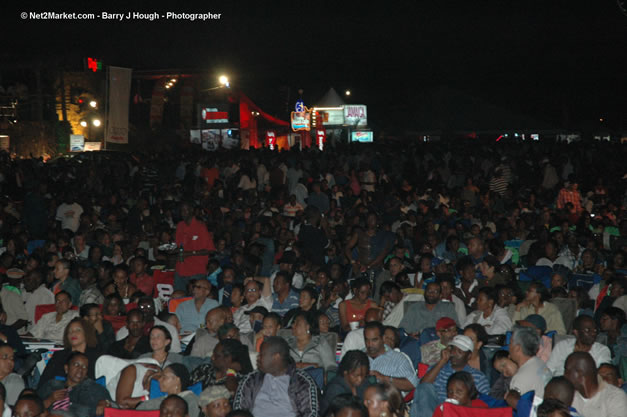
[192, 313]
[194, 243]
[65, 282]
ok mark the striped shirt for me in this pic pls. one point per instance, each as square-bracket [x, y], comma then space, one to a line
[394, 364]
[481, 382]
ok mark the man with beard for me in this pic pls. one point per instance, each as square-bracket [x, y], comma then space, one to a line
[424, 314]
[388, 365]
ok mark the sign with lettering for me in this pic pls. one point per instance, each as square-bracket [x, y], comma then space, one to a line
[271, 139]
[355, 115]
[331, 117]
[362, 136]
[321, 137]
[212, 115]
[301, 121]
[77, 143]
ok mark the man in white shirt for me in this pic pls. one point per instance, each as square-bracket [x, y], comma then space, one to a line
[585, 331]
[532, 374]
[35, 294]
[52, 325]
[69, 213]
[257, 292]
[11, 297]
[593, 397]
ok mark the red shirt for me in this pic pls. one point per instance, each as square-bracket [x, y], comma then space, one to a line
[193, 237]
[144, 283]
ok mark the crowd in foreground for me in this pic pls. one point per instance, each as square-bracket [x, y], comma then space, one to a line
[421, 280]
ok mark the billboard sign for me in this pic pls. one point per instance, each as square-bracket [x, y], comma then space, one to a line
[77, 143]
[355, 115]
[362, 136]
[212, 115]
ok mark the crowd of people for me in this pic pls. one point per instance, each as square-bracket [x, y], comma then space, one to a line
[370, 280]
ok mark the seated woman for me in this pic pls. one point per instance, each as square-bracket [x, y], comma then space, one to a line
[506, 368]
[384, 400]
[306, 302]
[307, 347]
[353, 311]
[104, 330]
[460, 387]
[479, 337]
[78, 394]
[160, 343]
[493, 318]
[214, 401]
[134, 382]
[230, 362]
[113, 306]
[79, 336]
[351, 378]
[174, 379]
[12, 382]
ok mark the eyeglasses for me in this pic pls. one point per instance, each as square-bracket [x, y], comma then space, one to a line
[7, 357]
[252, 290]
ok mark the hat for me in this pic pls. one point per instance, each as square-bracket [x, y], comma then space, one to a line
[213, 393]
[15, 273]
[444, 323]
[258, 309]
[537, 321]
[289, 257]
[465, 343]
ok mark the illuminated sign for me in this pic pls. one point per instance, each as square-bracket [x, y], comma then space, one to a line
[301, 121]
[362, 136]
[299, 107]
[94, 64]
[271, 139]
[77, 143]
[321, 137]
[212, 115]
[330, 116]
[355, 115]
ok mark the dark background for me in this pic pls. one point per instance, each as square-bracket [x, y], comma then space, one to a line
[558, 63]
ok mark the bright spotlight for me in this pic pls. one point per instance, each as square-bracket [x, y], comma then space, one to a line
[96, 122]
[83, 123]
[223, 80]
[93, 104]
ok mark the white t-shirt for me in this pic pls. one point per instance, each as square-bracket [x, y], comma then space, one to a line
[69, 215]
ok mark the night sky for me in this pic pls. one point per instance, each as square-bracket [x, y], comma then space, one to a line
[543, 59]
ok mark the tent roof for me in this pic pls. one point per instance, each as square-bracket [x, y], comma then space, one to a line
[330, 99]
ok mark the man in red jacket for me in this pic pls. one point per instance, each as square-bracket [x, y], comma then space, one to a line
[194, 243]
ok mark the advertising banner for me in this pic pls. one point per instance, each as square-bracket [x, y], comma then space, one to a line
[77, 143]
[362, 136]
[355, 115]
[331, 117]
[119, 98]
[211, 139]
[92, 146]
[271, 139]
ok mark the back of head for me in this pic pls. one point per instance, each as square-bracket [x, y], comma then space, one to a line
[528, 340]
[352, 360]
[346, 401]
[553, 408]
[583, 363]
[393, 396]
[278, 345]
[561, 389]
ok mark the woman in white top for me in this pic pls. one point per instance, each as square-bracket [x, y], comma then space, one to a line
[494, 318]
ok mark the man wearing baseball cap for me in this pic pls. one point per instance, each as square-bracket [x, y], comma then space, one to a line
[430, 352]
[432, 388]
